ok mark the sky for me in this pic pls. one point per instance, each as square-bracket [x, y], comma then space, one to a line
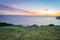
[29, 7]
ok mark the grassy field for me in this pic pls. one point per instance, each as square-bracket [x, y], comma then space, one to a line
[29, 33]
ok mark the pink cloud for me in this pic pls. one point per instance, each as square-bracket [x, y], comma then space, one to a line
[10, 10]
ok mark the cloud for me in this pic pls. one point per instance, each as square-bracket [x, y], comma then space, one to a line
[13, 2]
[12, 11]
[5, 10]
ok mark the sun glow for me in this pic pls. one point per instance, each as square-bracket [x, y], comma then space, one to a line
[51, 12]
[48, 11]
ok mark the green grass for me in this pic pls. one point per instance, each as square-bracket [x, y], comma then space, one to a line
[29, 33]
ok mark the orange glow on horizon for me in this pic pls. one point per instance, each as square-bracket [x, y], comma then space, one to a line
[28, 14]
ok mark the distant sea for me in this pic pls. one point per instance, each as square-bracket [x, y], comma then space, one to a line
[29, 20]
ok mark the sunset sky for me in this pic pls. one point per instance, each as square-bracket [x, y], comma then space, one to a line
[30, 7]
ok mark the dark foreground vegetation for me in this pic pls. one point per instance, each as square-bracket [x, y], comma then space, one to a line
[33, 32]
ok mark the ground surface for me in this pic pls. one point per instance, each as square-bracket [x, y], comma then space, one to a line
[29, 33]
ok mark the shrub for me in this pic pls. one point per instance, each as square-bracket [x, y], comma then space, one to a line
[5, 24]
[34, 25]
[51, 25]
